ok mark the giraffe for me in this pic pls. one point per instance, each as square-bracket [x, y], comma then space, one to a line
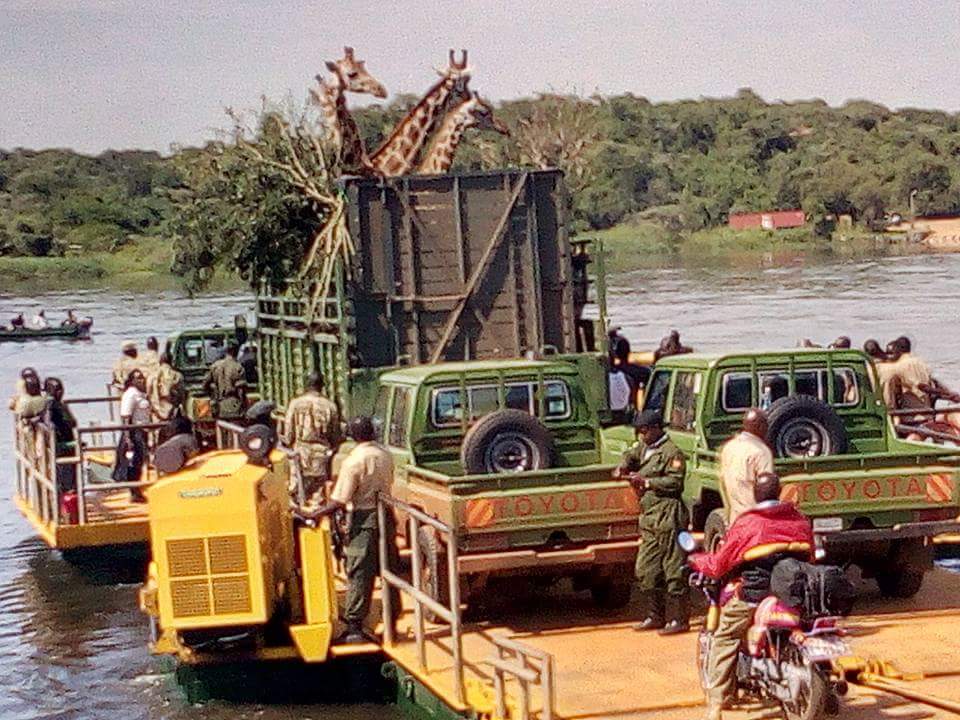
[349, 75]
[398, 154]
[474, 112]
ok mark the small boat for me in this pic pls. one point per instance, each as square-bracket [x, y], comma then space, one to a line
[75, 331]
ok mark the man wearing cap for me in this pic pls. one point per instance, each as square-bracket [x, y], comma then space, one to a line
[655, 468]
[126, 363]
[312, 429]
[226, 385]
[743, 458]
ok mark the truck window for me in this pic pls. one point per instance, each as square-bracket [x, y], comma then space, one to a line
[447, 408]
[518, 397]
[657, 394]
[397, 430]
[683, 409]
[483, 401]
[380, 411]
[557, 400]
[193, 352]
[736, 391]
[846, 391]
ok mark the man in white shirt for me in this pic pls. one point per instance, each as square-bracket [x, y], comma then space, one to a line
[742, 459]
[40, 321]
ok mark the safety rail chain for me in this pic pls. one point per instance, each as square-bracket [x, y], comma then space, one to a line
[528, 665]
[37, 463]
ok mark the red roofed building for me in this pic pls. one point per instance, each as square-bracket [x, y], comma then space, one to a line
[773, 220]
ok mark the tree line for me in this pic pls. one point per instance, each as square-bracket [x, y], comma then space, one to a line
[685, 165]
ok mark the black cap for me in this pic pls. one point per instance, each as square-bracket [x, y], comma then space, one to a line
[646, 419]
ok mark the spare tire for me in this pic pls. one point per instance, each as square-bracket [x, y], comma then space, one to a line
[802, 426]
[506, 441]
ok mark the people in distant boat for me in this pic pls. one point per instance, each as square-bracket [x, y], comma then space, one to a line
[17, 323]
[70, 320]
[126, 363]
[57, 415]
[39, 321]
[671, 345]
[132, 448]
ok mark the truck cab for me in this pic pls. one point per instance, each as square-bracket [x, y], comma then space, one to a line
[875, 499]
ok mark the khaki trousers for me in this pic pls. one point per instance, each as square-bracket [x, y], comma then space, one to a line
[735, 619]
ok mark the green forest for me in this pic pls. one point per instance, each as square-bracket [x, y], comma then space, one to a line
[670, 170]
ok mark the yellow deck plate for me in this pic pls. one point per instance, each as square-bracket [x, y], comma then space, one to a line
[112, 519]
[606, 670]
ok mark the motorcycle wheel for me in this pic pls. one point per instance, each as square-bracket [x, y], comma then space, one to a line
[813, 692]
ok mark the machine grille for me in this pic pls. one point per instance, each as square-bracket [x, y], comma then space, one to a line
[209, 576]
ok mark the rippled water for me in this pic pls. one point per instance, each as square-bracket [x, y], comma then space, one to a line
[73, 645]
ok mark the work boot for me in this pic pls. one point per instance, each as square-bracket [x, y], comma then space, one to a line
[653, 606]
[352, 635]
[678, 614]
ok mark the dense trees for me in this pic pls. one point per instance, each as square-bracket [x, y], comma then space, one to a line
[683, 165]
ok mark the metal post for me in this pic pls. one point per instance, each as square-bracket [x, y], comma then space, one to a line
[385, 600]
[81, 485]
[500, 693]
[417, 562]
[455, 629]
[549, 693]
[525, 704]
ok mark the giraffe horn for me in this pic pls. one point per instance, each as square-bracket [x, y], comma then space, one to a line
[348, 52]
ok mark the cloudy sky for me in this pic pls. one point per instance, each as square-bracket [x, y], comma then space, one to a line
[97, 74]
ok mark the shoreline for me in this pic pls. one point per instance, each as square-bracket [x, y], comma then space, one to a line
[145, 266]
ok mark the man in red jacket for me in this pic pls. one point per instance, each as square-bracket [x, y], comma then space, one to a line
[756, 540]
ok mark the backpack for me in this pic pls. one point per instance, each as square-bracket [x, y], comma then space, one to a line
[818, 590]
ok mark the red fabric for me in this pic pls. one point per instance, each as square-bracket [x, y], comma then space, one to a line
[778, 523]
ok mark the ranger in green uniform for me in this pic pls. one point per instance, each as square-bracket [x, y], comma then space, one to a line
[226, 385]
[655, 468]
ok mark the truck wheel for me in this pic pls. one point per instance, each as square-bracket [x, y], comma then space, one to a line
[902, 575]
[714, 530]
[434, 579]
[506, 441]
[802, 426]
[612, 592]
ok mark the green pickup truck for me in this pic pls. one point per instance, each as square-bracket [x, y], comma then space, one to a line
[875, 499]
[510, 453]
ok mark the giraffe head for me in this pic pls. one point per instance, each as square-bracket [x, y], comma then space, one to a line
[459, 74]
[353, 76]
[479, 115]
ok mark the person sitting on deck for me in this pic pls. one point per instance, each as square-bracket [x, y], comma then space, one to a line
[132, 448]
[39, 321]
[57, 415]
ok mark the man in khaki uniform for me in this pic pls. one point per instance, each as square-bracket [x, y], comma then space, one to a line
[743, 458]
[365, 473]
[226, 385]
[166, 390]
[312, 429]
[150, 358]
[125, 364]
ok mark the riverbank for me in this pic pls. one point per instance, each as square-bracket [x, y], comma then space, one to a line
[143, 266]
[650, 245]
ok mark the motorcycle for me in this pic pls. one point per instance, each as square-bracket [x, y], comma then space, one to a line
[787, 658]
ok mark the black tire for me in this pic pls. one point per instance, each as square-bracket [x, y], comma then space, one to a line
[714, 530]
[612, 592]
[902, 576]
[802, 426]
[506, 441]
[812, 702]
[434, 578]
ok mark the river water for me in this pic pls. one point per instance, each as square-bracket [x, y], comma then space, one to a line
[73, 645]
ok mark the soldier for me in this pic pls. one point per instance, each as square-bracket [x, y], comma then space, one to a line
[226, 385]
[312, 429]
[150, 359]
[125, 364]
[655, 468]
[366, 473]
[166, 390]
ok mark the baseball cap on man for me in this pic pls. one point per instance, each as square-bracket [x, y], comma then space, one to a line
[647, 419]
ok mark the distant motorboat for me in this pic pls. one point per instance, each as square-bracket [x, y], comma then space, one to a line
[79, 330]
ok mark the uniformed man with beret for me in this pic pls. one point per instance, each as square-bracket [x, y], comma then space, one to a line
[126, 363]
[655, 468]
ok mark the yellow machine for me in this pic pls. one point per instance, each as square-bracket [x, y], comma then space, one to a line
[226, 580]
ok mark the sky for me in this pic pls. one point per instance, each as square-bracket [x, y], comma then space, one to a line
[119, 74]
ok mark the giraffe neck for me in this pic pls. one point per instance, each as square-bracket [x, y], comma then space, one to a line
[343, 129]
[440, 155]
[399, 152]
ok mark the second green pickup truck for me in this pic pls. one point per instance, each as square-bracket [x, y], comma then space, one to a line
[876, 500]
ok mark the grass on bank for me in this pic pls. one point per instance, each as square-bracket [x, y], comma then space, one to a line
[141, 266]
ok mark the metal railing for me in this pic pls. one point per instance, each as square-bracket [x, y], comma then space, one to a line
[531, 667]
[37, 463]
[227, 435]
[415, 591]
